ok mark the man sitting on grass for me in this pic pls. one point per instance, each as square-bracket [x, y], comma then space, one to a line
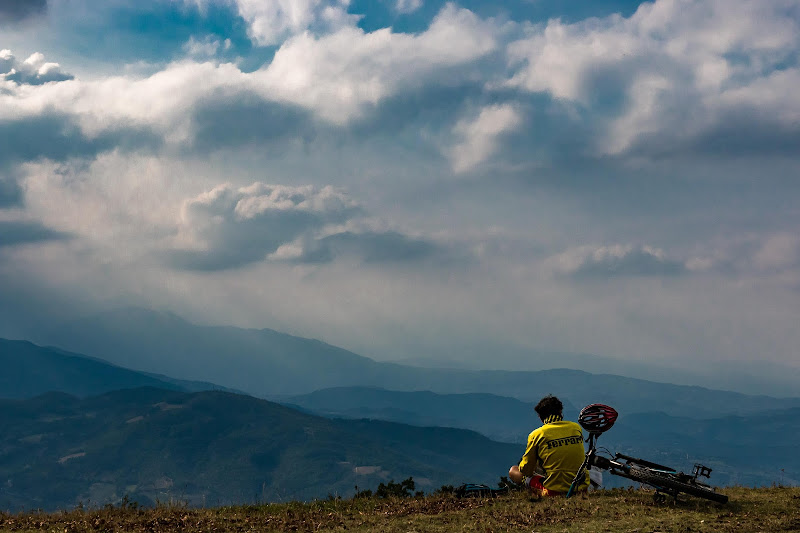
[554, 453]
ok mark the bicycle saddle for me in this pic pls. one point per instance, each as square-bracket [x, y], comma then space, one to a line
[597, 418]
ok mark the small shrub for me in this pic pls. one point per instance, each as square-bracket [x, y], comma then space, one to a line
[445, 489]
[366, 493]
[506, 483]
[404, 489]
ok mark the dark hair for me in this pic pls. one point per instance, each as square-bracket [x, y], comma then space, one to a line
[549, 406]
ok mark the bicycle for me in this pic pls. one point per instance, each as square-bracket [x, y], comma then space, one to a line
[596, 419]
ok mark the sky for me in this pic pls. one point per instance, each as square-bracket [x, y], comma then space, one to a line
[411, 178]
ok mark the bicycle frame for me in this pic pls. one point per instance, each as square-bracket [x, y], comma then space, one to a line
[665, 480]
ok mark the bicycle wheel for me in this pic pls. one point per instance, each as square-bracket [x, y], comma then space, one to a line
[666, 481]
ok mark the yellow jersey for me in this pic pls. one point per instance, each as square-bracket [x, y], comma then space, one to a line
[557, 448]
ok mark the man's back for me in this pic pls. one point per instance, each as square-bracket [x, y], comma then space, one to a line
[558, 445]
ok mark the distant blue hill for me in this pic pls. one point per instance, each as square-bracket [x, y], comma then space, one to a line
[29, 370]
[259, 362]
[752, 449]
[499, 418]
[271, 364]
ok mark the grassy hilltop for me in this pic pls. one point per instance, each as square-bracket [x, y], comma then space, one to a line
[768, 510]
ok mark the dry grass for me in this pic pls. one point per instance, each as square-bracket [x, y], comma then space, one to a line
[768, 510]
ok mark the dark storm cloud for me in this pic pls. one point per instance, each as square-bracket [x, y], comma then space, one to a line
[57, 137]
[245, 119]
[429, 106]
[14, 233]
[737, 133]
[235, 243]
[216, 260]
[371, 247]
[422, 121]
[231, 120]
[10, 192]
[17, 10]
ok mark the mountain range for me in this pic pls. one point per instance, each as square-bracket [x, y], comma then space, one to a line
[498, 417]
[275, 365]
[30, 370]
[344, 420]
[164, 343]
[744, 449]
[216, 448]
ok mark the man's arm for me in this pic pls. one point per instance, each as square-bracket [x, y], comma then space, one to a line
[530, 460]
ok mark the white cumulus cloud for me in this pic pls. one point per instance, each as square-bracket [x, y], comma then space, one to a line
[610, 261]
[33, 71]
[338, 74]
[408, 6]
[479, 135]
[270, 22]
[336, 77]
[206, 47]
[675, 67]
[230, 226]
